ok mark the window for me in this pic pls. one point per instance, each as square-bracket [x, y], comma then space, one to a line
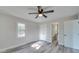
[21, 30]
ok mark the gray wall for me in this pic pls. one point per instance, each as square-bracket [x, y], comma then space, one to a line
[61, 33]
[8, 31]
[45, 32]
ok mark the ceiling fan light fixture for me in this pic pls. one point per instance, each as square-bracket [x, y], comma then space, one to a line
[40, 15]
[40, 12]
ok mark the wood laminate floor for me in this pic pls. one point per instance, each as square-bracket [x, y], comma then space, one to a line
[42, 47]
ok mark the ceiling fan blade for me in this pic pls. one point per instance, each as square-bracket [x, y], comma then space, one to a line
[50, 11]
[45, 16]
[36, 16]
[32, 13]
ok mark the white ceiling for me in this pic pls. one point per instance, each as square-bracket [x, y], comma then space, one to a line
[22, 11]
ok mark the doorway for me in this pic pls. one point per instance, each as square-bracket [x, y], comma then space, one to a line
[55, 34]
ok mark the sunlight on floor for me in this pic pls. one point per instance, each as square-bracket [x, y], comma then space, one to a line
[37, 45]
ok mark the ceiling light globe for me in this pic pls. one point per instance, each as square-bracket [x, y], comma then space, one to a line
[40, 15]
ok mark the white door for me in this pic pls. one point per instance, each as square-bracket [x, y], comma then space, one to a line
[76, 34]
[68, 34]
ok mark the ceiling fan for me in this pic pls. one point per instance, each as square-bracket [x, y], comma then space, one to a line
[41, 12]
